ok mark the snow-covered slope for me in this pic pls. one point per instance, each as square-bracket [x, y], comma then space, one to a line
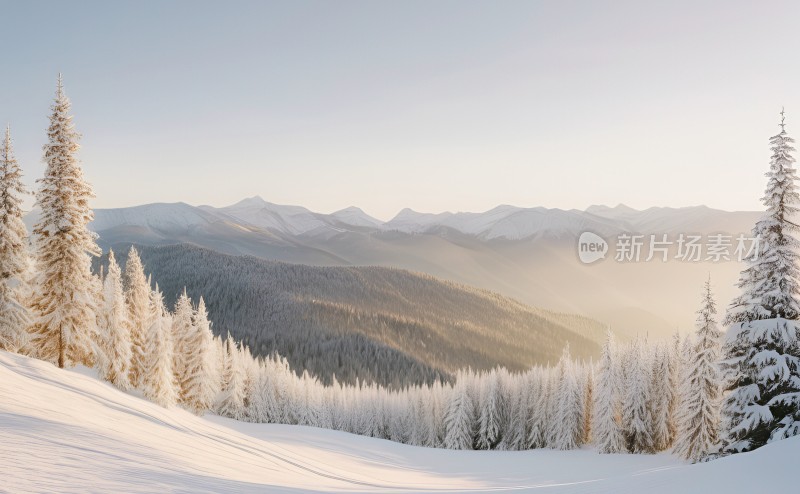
[64, 431]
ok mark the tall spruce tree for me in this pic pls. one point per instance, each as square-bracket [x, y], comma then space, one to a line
[158, 381]
[459, 417]
[762, 358]
[14, 260]
[569, 410]
[637, 413]
[182, 335]
[137, 298]
[607, 427]
[491, 416]
[64, 302]
[698, 418]
[770, 282]
[201, 381]
[115, 337]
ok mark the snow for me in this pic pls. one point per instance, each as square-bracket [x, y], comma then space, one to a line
[177, 217]
[64, 431]
[356, 217]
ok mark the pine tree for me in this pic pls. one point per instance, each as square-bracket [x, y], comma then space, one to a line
[661, 395]
[459, 418]
[588, 384]
[770, 282]
[64, 302]
[675, 381]
[698, 421]
[231, 402]
[137, 297]
[762, 358]
[637, 414]
[569, 424]
[537, 420]
[201, 382]
[491, 417]
[183, 334]
[15, 316]
[158, 381]
[115, 338]
[608, 433]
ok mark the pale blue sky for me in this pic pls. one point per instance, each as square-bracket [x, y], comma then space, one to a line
[434, 105]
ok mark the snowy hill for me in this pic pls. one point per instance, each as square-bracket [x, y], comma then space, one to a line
[63, 431]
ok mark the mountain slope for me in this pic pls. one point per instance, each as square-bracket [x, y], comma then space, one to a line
[388, 325]
[65, 432]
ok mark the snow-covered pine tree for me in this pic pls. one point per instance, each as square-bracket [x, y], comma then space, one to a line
[637, 416]
[661, 395]
[762, 358]
[608, 433]
[675, 380]
[492, 411]
[587, 386]
[201, 382]
[137, 297]
[231, 401]
[158, 381]
[520, 395]
[114, 331]
[183, 334]
[769, 284]
[569, 411]
[538, 404]
[459, 418]
[15, 316]
[698, 420]
[63, 302]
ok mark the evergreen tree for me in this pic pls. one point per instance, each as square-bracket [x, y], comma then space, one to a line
[201, 380]
[770, 282]
[661, 395]
[569, 424]
[762, 358]
[675, 381]
[183, 334]
[637, 414]
[137, 296]
[491, 417]
[537, 420]
[608, 433]
[15, 316]
[698, 421]
[158, 381]
[115, 338]
[231, 401]
[459, 417]
[63, 301]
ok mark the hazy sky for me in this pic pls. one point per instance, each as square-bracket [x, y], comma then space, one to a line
[433, 105]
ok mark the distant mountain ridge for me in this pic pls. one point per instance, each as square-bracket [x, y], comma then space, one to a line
[501, 222]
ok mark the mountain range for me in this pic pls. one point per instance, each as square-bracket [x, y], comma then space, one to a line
[529, 254]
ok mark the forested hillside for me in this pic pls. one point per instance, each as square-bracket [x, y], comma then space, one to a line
[377, 324]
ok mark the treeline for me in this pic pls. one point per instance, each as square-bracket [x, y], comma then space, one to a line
[381, 325]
